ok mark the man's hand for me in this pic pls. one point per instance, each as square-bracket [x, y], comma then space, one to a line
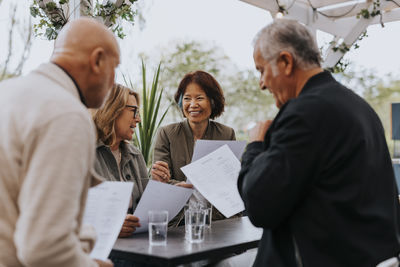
[183, 184]
[160, 171]
[130, 224]
[258, 132]
[106, 263]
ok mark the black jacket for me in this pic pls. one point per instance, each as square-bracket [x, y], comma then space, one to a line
[322, 181]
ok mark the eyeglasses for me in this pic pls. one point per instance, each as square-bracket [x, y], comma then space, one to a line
[135, 110]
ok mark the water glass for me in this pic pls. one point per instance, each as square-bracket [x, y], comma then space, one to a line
[185, 210]
[158, 223]
[208, 210]
[195, 225]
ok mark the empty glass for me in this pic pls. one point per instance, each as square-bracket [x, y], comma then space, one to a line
[208, 210]
[197, 201]
[158, 223]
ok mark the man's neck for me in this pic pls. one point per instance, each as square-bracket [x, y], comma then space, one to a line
[303, 76]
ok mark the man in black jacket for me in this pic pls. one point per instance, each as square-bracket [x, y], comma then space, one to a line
[319, 177]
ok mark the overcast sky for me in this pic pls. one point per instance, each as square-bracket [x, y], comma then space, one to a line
[230, 24]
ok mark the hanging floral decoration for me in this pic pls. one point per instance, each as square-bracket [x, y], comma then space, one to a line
[54, 14]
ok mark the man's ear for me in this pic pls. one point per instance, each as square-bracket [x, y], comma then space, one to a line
[97, 58]
[286, 63]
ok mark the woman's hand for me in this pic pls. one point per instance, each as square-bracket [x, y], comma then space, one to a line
[129, 226]
[184, 184]
[160, 171]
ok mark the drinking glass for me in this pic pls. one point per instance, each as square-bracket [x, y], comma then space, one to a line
[185, 210]
[208, 210]
[158, 223]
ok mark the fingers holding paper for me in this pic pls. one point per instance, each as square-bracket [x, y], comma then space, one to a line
[106, 263]
[184, 184]
[160, 172]
[130, 224]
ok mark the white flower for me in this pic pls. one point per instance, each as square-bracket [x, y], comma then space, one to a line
[127, 2]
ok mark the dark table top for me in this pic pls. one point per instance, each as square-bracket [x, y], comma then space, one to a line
[224, 239]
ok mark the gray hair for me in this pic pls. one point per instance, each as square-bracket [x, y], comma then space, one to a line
[291, 36]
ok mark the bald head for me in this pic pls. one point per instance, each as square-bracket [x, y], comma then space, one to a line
[83, 35]
[89, 52]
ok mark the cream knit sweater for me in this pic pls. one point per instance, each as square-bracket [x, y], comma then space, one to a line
[47, 146]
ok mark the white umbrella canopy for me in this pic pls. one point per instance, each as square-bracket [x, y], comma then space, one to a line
[346, 20]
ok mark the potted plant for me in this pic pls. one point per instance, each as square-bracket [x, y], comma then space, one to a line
[150, 117]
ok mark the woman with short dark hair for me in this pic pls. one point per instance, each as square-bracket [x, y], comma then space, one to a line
[201, 99]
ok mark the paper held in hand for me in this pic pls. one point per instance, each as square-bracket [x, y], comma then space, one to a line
[160, 196]
[215, 177]
[205, 147]
[105, 210]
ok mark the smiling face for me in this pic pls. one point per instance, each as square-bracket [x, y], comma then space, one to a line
[196, 104]
[277, 80]
[125, 122]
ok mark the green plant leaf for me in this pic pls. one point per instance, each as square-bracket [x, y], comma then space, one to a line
[151, 102]
[51, 6]
[34, 11]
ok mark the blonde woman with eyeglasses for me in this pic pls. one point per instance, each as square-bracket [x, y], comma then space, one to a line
[116, 158]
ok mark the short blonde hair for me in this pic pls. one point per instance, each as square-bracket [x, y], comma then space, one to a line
[105, 117]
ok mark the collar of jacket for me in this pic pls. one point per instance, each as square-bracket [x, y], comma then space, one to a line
[59, 76]
[322, 77]
[188, 130]
[81, 97]
[317, 79]
[124, 146]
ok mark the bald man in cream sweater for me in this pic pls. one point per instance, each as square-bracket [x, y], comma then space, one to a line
[47, 149]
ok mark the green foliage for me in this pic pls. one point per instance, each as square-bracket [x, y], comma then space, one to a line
[366, 14]
[151, 100]
[343, 47]
[342, 64]
[52, 16]
[110, 13]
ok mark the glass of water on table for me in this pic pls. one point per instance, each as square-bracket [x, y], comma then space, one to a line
[158, 223]
[208, 210]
